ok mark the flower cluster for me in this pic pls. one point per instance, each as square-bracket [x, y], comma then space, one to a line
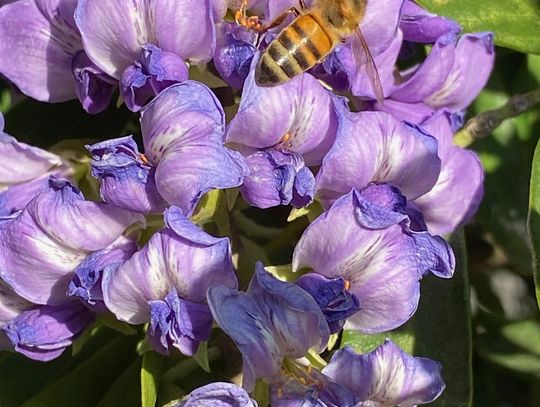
[385, 173]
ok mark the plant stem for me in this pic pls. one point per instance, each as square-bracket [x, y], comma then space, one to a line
[484, 123]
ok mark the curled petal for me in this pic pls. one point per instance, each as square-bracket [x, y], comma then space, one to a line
[181, 256]
[179, 323]
[45, 332]
[40, 248]
[473, 63]
[299, 116]
[381, 23]
[277, 178]
[86, 282]
[418, 25]
[44, 41]
[387, 375]
[11, 304]
[127, 178]
[374, 147]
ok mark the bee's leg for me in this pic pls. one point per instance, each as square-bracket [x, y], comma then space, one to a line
[302, 4]
[277, 22]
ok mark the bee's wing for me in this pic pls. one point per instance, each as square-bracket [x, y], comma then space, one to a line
[363, 56]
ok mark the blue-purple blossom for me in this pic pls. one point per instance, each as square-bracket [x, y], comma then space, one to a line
[184, 154]
[50, 65]
[218, 394]
[165, 283]
[44, 332]
[273, 320]
[371, 246]
[386, 377]
[41, 246]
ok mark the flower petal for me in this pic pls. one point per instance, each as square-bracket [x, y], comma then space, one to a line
[387, 375]
[218, 394]
[40, 248]
[418, 25]
[41, 38]
[114, 32]
[374, 147]
[182, 257]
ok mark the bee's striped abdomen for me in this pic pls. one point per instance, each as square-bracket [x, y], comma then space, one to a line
[297, 48]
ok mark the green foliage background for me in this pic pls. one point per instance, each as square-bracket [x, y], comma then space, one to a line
[483, 325]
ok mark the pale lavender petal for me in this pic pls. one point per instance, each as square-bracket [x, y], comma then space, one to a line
[473, 63]
[180, 256]
[337, 244]
[11, 304]
[430, 75]
[418, 25]
[387, 375]
[114, 33]
[411, 112]
[458, 192]
[381, 23]
[17, 196]
[21, 162]
[218, 394]
[45, 332]
[374, 147]
[299, 116]
[86, 281]
[44, 41]
[40, 248]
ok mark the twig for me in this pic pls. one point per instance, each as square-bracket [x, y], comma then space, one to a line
[484, 123]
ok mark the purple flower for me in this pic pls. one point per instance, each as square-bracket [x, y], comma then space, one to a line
[86, 281]
[42, 245]
[386, 376]
[165, 283]
[278, 178]
[218, 394]
[375, 147]
[367, 242]
[127, 178]
[144, 44]
[456, 196]
[24, 172]
[50, 64]
[183, 141]
[44, 332]
[271, 321]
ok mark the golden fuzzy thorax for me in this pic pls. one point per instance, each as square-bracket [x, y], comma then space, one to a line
[343, 16]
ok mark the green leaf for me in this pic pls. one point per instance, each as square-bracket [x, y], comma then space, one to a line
[442, 328]
[514, 346]
[201, 357]
[124, 392]
[534, 218]
[151, 371]
[516, 23]
[363, 343]
[89, 381]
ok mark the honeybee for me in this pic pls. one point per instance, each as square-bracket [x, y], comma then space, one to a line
[313, 34]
